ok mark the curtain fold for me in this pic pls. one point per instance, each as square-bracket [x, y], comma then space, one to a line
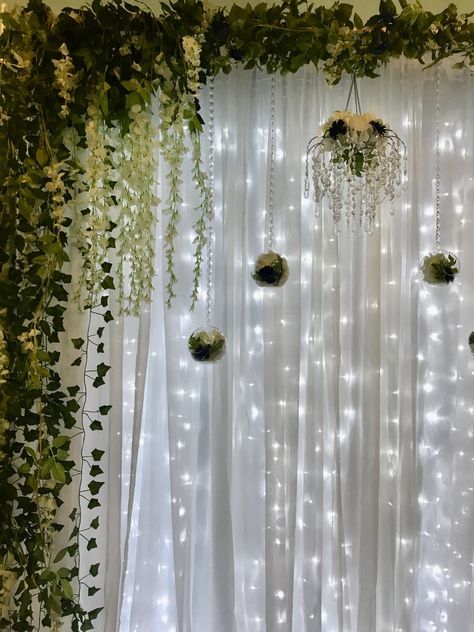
[319, 478]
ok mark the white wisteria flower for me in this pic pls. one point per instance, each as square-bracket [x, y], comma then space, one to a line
[66, 79]
[357, 163]
[136, 163]
[95, 195]
[4, 359]
[207, 344]
[192, 59]
[7, 582]
[270, 270]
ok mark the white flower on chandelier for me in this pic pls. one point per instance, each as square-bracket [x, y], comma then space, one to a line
[356, 163]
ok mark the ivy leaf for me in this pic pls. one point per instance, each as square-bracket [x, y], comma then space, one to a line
[92, 590]
[102, 369]
[96, 425]
[93, 503]
[77, 361]
[73, 390]
[93, 614]
[92, 544]
[97, 454]
[72, 406]
[98, 381]
[96, 470]
[100, 331]
[95, 523]
[94, 487]
[104, 301]
[106, 266]
[77, 342]
[108, 283]
[108, 316]
[104, 410]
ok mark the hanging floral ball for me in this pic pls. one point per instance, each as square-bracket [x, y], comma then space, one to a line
[471, 341]
[440, 267]
[270, 270]
[207, 344]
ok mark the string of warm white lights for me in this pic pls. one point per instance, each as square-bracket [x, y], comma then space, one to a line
[322, 479]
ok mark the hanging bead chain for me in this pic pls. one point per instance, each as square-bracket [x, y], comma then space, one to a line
[210, 172]
[438, 160]
[271, 186]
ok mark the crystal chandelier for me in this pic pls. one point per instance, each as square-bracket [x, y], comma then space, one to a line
[356, 164]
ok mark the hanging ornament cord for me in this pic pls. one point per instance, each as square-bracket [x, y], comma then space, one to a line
[354, 89]
[210, 228]
[271, 184]
[438, 161]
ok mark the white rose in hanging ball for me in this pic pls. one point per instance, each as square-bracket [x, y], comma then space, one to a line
[207, 344]
[439, 268]
[270, 270]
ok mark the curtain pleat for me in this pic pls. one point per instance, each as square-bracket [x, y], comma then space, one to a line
[318, 478]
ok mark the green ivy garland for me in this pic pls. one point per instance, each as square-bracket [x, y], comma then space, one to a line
[66, 82]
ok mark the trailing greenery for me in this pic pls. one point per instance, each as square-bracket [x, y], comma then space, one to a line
[76, 94]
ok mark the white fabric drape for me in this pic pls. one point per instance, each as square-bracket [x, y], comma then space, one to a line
[320, 477]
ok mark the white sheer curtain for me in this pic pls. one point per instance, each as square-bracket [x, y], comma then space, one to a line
[320, 477]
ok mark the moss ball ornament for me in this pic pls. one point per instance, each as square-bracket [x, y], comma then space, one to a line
[270, 270]
[439, 268]
[207, 344]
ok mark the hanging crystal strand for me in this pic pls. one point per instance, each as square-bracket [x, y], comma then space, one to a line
[439, 267]
[210, 171]
[208, 344]
[438, 162]
[271, 184]
[271, 268]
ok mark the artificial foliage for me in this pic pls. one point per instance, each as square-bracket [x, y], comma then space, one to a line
[76, 94]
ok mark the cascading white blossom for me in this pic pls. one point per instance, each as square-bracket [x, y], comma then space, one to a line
[192, 59]
[94, 207]
[136, 164]
[4, 360]
[56, 189]
[66, 80]
[7, 582]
